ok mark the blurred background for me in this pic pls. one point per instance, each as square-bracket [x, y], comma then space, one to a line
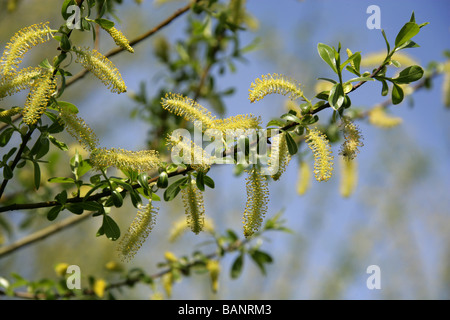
[398, 217]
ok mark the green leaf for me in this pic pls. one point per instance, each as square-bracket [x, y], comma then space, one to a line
[336, 97]
[61, 180]
[117, 198]
[37, 175]
[45, 64]
[290, 117]
[163, 180]
[276, 123]
[68, 106]
[386, 40]
[208, 181]
[104, 23]
[53, 213]
[200, 181]
[5, 136]
[328, 55]
[65, 43]
[261, 258]
[75, 208]
[142, 179]
[291, 144]
[91, 206]
[408, 75]
[397, 94]
[61, 197]
[83, 167]
[64, 12]
[7, 172]
[409, 30]
[236, 267]
[110, 228]
[172, 191]
[385, 88]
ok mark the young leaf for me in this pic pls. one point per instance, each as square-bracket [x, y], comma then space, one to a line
[52, 214]
[336, 97]
[409, 30]
[236, 268]
[261, 258]
[110, 228]
[408, 75]
[291, 144]
[328, 55]
[397, 94]
[172, 191]
[200, 181]
[37, 175]
[209, 182]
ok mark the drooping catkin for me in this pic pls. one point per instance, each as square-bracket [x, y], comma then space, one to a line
[188, 109]
[20, 43]
[274, 83]
[349, 176]
[323, 159]
[257, 200]
[78, 129]
[119, 39]
[279, 156]
[141, 161]
[138, 231]
[15, 82]
[193, 206]
[353, 139]
[304, 178]
[7, 114]
[37, 99]
[380, 118]
[102, 68]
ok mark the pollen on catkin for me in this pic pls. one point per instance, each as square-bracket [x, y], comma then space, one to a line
[6, 114]
[353, 140]
[78, 129]
[15, 82]
[274, 83]
[323, 159]
[37, 99]
[349, 176]
[304, 178]
[188, 109]
[239, 122]
[193, 206]
[190, 152]
[102, 68]
[20, 43]
[141, 161]
[119, 39]
[138, 231]
[257, 200]
[378, 117]
[279, 156]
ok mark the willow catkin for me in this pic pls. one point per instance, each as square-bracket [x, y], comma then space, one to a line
[193, 206]
[257, 200]
[119, 39]
[323, 159]
[40, 93]
[352, 139]
[274, 83]
[141, 161]
[279, 155]
[78, 129]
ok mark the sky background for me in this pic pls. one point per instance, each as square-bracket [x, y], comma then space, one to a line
[399, 216]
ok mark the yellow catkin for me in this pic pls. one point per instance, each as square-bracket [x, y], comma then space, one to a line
[304, 178]
[180, 226]
[99, 287]
[78, 129]
[238, 122]
[349, 176]
[192, 154]
[446, 84]
[188, 109]
[20, 43]
[274, 83]
[102, 68]
[119, 39]
[141, 161]
[257, 200]
[323, 159]
[7, 114]
[279, 155]
[138, 232]
[38, 98]
[193, 206]
[378, 117]
[16, 82]
[353, 140]
[167, 281]
[213, 266]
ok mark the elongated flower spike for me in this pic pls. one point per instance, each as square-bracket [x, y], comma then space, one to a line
[188, 109]
[138, 231]
[304, 178]
[78, 129]
[378, 117]
[242, 122]
[279, 155]
[119, 39]
[5, 114]
[323, 159]
[38, 97]
[349, 176]
[102, 68]
[20, 43]
[15, 82]
[257, 200]
[274, 83]
[193, 206]
[353, 140]
[141, 161]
